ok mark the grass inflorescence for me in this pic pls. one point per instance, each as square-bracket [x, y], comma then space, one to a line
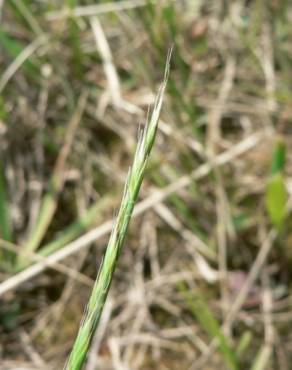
[131, 190]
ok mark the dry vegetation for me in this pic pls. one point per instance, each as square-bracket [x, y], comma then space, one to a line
[204, 279]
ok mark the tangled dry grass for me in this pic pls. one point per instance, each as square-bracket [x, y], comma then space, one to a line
[204, 279]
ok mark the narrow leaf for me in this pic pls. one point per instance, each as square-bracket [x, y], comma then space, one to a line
[205, 316]
[279, 157]
[276, 200]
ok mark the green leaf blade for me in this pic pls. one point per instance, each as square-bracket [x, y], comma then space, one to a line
[276, 200]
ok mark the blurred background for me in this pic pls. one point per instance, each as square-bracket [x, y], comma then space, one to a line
[204, 280]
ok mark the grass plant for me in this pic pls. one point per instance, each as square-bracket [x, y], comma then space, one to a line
[215, 213]
[131, 190]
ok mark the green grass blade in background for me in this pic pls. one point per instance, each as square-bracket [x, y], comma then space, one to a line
[278, 157]
[244, 343]
[50, 199]
[276, 200]
[104, 278]
[276, 193]
[206, 318]
[5, 221]
[77, 227]
[5, 225]
[13, 48]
